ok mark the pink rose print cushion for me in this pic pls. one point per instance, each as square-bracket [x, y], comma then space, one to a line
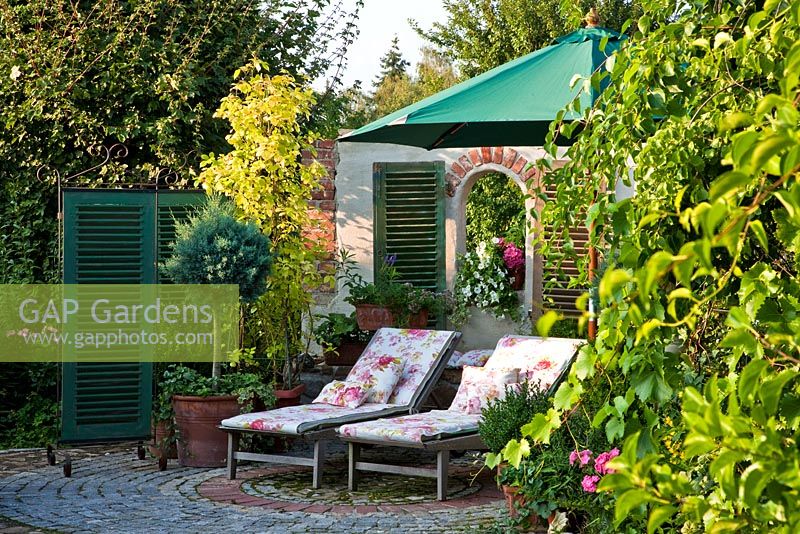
[539, 360]
[475, 358]
[378, 373]
[479, 385]
[346, 394]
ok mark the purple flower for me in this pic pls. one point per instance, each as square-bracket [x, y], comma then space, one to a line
[589, 483]
[390, 259]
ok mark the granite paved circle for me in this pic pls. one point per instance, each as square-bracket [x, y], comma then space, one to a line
[118, 493]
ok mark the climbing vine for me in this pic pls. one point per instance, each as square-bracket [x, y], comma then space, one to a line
[700, 304]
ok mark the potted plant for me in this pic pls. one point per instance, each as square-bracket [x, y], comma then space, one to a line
[341, 339]
[213, 247]
[387, 301]
[501, 421]
[200, 402]
[514, 261]
[483, 281]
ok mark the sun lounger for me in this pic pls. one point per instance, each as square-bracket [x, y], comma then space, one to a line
[424, 354]
[539, 360]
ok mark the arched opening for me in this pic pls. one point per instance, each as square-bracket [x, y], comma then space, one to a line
[495, 208]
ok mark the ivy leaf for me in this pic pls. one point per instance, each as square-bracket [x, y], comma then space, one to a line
[728, 184]
[771, 390]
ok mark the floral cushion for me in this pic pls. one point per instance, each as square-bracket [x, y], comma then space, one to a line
[479, 385]
[347, 394]
[414, 428]
[538, 359]
[475, 358]
[418, 349]
[452, 363]
[295, 420]
[378, 373]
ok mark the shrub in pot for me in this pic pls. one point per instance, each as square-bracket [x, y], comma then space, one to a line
[501, 421]
[213, 248]
[200, 402]
[340, 338]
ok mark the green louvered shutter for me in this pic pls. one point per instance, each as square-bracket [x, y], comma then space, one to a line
[108, 239]
[172, 207]
[409, 222]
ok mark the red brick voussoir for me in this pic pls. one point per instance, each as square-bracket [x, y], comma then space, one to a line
[220, 489]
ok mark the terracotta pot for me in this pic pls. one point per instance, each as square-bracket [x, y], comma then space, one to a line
[289, 397]
[200, 442]
[372, 317]
[161, 436]
[517, 278]
[514, 501]
[345, 354]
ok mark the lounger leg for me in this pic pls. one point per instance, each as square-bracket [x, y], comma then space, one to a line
[354, 456]
[233, 446]
[442, 462]
[319, 461]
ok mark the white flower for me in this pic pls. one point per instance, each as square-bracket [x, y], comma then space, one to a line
[496, 240]
[15, 72]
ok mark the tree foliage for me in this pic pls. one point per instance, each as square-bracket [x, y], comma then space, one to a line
[148, 74]
[393, 64]
[434, 73]
[269, 185]
[495, 208]
[699, 312]
[482, 34]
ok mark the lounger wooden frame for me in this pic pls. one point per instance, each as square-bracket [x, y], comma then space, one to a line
[319, 437]
[442, 447]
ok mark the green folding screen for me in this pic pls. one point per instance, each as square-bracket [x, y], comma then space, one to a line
[114, 237]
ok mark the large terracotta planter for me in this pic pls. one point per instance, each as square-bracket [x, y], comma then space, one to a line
[372, 317]
[200, 442]
[345, 354]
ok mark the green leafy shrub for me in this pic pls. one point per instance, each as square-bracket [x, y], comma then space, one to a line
[34, 424]
[336, 328]
[502, 419]
[214, 248]
[181, 380]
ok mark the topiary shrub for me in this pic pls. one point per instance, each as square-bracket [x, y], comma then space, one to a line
[215, 248]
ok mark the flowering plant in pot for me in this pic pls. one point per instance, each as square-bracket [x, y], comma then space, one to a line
[514, 260]
[213, 247]
[340, 338]
[482, 281]
[387, 301]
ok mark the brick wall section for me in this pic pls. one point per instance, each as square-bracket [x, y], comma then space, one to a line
[322, 203]
[475, 158]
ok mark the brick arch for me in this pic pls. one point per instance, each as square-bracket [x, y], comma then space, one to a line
[477, 160]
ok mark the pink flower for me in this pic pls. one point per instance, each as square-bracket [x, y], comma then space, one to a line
[589, 483]
[513, 257]
[603, 459]
[585, 456]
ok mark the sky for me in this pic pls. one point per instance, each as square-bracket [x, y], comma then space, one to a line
[379, 21]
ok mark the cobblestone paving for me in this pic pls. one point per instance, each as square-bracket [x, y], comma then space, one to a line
[115, 492]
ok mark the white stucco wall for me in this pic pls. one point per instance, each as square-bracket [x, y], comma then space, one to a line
[355, 215]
